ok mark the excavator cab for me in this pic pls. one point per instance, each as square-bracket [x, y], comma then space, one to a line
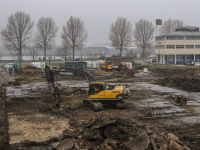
[95, 88]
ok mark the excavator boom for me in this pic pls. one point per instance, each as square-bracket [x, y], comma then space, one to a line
[52, 83]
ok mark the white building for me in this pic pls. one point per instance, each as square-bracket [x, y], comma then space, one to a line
[178, 47]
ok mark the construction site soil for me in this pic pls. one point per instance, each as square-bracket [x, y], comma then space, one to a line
[150, 121]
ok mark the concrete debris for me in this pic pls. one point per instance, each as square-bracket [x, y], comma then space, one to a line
[172, 137]
[141, 142]
[179, 99]
[67, 144]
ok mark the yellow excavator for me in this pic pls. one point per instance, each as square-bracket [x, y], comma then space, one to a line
[99, 93]
[108, 66]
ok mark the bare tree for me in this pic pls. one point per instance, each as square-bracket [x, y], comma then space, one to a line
[143, 35]
[148, 53]
[120, 34]
[15, 55]
[131, 53]
[46, 33]
[64, 52]
[170, 26]
[74, 33]
[17, 34]
[33, 51]
[49, 55]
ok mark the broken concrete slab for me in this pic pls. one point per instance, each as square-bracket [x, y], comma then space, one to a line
[179, 99]
[172, 137]
[67, 144]
[139, 143]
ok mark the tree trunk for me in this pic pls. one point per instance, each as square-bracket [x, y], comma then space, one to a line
[44, 53]
[20, 55]
[65, 56]
[143, 53]
[73, 52]
[120, 56]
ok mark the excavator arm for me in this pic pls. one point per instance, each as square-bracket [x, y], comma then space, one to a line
[52, 83]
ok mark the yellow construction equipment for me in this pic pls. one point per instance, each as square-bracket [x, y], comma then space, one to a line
[108, 66]
[99, 93]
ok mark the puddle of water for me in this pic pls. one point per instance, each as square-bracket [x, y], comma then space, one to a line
[159, 106]
[38, 87]
[183, 121]
[192, 97]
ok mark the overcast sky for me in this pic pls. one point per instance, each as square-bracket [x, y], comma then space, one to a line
[99, 14]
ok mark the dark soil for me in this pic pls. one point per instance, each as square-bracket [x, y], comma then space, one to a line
[3, 118]
[188, 79]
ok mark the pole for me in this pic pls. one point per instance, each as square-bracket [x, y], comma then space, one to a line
[81, 53]
[54, 47]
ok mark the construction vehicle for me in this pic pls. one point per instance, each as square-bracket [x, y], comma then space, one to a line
[17, 64]
[108, 66]
[102, 64]
[99, 93]
[9, 68]
[123, 70]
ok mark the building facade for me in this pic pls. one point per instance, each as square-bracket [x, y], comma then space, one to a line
[178, 47]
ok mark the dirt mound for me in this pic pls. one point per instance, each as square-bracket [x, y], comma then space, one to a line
[177, 72]
[184, 83]
[31, 70]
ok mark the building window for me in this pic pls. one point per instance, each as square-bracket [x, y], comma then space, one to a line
[190, 46]
[160, 38]
[160, 46]
[179, 37]
[180, 59]
[169, 59]
[197, 46]
[175, 37]
[170, 46]
[192, 37]
[179, 46]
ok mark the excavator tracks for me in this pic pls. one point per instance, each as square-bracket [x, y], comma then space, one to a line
[97, 105]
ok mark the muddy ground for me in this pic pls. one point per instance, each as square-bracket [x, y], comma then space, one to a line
[150, 121]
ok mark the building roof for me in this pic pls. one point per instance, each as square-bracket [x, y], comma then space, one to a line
[188, 27]
[184, 31]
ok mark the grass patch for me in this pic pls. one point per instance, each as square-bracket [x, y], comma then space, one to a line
[187, 108]
[153, 67]
[51, 64]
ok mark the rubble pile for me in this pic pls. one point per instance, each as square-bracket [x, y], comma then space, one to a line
[183, 83]
[110, 133]
[3, 118]
[32, 70]
[195, 73]
[178, 99]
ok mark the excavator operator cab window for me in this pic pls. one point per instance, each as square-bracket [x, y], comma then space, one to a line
[95, 88]
[111, 86]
